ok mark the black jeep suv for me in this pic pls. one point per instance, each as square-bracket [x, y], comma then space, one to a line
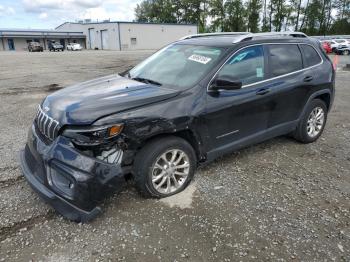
[187, 104]
[55, 47]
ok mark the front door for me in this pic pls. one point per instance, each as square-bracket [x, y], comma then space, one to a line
[237, 115]
[11, 44]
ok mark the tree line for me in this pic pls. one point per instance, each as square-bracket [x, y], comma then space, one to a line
[313, 17]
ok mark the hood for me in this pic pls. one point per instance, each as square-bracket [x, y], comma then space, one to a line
[84, 103]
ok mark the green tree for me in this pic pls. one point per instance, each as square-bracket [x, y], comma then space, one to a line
[236, 16]
[143, 11]
[158, 11]
[218, 15]
[253, 10]
[265, 21]
[314, 17]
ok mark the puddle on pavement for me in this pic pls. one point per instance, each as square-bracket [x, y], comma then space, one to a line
[182, 200]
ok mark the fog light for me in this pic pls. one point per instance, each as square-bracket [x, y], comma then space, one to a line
[60, 181]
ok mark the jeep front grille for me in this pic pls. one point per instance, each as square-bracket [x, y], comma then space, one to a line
[48, 126]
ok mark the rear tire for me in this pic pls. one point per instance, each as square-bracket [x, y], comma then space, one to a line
[157, 173]
[312, 123]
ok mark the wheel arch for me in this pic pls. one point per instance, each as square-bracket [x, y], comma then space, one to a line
[324, 95]
[187, 134]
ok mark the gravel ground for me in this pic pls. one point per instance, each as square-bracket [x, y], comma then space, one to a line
[276, 201]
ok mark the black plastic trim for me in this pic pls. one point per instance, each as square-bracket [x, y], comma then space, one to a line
[59, 204]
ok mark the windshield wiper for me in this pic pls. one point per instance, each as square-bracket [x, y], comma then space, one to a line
[147, 81]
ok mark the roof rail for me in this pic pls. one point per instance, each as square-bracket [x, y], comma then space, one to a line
[214, 34]
[245, 36]
[253, 36]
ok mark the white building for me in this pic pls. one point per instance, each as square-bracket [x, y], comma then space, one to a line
[128, 35]
[99, 35]
[18, 39]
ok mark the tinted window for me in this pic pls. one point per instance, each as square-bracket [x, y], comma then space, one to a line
[247, 65]
[284, 59]
[311, 57]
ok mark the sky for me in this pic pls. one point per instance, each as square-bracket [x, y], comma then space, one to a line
[48, 14]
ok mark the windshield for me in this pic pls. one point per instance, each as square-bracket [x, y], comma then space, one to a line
[179, 66]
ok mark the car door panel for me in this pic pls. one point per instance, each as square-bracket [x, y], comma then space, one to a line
[288, 89]
[288, 94]
[232, 115]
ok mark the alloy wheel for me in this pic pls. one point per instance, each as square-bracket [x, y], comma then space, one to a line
[170, 171]
[315, 122]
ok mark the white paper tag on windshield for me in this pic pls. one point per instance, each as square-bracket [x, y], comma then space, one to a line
[200, 59]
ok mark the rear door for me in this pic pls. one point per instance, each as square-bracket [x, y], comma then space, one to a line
[288, 83]
[317, 74]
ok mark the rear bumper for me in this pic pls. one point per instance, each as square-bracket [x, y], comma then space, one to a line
[71, 182]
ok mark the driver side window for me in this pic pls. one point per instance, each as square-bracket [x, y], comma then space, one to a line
[246, 66]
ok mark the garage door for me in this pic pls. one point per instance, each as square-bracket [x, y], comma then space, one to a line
[104, 39]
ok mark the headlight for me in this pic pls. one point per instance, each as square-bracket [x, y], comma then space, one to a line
[94, 135]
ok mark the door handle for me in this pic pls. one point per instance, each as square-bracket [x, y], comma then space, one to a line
[263, 91]
[308, 78]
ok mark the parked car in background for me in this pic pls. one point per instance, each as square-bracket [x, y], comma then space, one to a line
[186, 105]
[337, 43]
[343, 50]
[55, 47]
[35, 47]
[326, 46]
[74, 47]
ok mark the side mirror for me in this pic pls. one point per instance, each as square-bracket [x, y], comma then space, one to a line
[225, 82]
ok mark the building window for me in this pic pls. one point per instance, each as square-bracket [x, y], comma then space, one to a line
[133, 41]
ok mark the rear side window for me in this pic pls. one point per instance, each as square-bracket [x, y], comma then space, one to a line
[311, 57]
[284, 59]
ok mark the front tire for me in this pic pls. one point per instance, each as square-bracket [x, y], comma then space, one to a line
[164, 167]
[312, 122]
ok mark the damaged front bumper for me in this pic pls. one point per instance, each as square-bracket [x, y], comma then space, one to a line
[71, 182]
